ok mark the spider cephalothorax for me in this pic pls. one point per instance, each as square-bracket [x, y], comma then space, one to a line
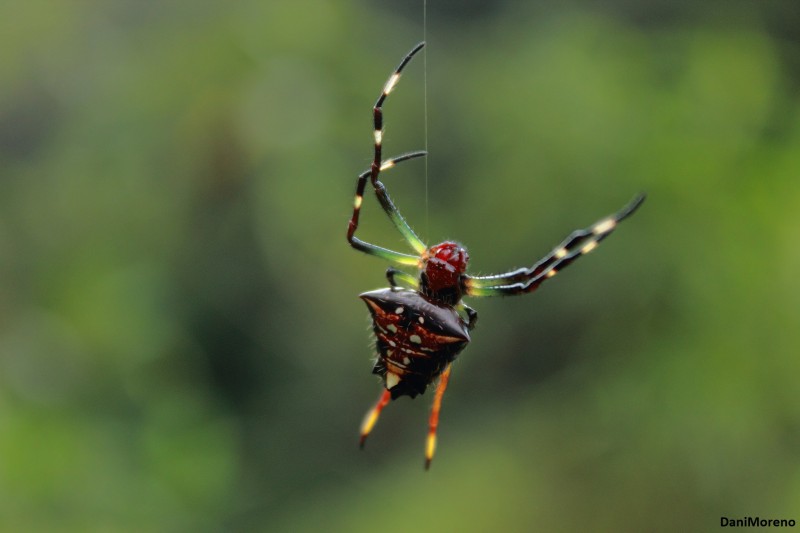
[420, 330]
[443, 268]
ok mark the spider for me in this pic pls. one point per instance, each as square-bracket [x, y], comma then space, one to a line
[421, 329]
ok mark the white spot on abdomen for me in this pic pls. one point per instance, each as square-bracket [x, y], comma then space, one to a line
[392, 379]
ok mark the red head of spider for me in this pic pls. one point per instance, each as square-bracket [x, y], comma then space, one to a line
[443, 267]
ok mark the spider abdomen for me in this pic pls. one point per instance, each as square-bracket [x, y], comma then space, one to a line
[416, 338]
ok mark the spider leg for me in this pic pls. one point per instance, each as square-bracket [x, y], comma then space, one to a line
[372, 417]
[472, 315]
[525, 280]
[372, 249]
[392, 274]
[433, 421]
[378, 164]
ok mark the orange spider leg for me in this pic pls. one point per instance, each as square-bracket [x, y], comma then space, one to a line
[372, 416]
[433, 422]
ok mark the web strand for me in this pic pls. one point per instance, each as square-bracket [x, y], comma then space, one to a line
[425, 108]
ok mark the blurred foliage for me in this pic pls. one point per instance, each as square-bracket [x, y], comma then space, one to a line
[181, 346]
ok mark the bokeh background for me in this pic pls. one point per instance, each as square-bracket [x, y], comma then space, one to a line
[181, 343]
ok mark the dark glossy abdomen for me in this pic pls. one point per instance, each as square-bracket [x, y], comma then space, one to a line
[415, 338]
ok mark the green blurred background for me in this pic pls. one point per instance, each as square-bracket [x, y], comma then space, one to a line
[181, 343]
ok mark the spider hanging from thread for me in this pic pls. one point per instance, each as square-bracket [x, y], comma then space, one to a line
[422, 328]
